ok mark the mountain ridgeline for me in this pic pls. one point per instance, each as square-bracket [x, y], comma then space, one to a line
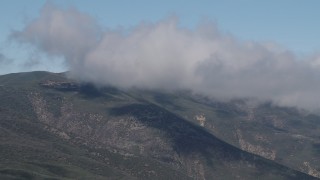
[52, 127]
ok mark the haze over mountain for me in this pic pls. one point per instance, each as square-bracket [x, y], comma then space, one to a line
[164, 55]
[156, 100]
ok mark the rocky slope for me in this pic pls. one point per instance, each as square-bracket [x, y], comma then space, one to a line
[53, 127]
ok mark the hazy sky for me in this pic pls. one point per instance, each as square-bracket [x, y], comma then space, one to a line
[224, 49]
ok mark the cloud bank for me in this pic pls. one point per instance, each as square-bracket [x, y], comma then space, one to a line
[164, 55]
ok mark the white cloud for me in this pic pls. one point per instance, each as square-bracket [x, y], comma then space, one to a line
[164, 55]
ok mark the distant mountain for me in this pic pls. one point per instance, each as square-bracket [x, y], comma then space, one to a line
[52, 127]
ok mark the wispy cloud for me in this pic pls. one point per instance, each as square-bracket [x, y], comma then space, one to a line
[164, 55]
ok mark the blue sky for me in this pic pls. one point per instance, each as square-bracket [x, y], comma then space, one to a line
[293, 24]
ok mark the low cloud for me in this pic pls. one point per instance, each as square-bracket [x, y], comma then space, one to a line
[164, 55]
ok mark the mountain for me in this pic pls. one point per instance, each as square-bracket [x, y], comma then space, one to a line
[52, 127]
